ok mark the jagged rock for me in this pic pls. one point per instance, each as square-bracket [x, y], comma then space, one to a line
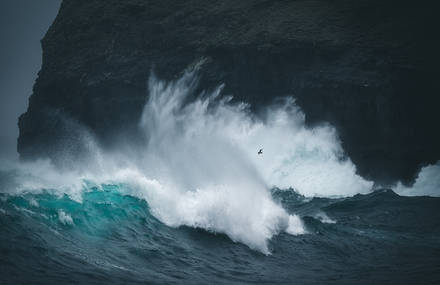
[368, 67]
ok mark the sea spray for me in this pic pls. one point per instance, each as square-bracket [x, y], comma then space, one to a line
[426, 183]
[198, 164]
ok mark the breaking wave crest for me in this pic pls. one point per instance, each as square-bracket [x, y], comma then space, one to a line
[198, 164]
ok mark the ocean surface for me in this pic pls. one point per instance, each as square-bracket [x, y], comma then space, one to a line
[112, 238]
[191, 201]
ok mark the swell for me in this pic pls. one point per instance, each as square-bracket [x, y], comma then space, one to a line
[196, 164]
[112, 237]
[192, 201]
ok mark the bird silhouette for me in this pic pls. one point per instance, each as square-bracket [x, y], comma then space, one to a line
[260, 151]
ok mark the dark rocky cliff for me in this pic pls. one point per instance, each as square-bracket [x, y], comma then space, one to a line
[366, 66]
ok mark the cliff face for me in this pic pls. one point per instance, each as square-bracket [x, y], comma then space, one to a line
[367, 66]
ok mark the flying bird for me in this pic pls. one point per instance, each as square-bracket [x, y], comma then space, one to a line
[260, 151]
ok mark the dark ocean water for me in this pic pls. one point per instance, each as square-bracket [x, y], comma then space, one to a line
[112, 238]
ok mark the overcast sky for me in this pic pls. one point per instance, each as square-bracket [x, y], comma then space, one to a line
[23, 24]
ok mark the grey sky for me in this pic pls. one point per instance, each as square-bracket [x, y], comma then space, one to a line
[23, 24]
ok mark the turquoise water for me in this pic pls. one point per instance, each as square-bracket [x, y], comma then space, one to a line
[190, 202]
[109, 236]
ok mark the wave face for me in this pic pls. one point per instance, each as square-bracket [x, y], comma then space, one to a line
[196, 163]
[110, 236]
[191, 200]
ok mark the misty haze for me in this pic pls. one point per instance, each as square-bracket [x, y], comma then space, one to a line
[219, 142]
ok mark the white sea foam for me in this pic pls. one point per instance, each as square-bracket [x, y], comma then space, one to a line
[224, 138]
[40, 175]
[427, 183]
[33, 202]
[324, 218]
[65, 218]
[199, 165]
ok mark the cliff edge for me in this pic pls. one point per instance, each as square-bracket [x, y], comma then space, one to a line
[368, 67]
